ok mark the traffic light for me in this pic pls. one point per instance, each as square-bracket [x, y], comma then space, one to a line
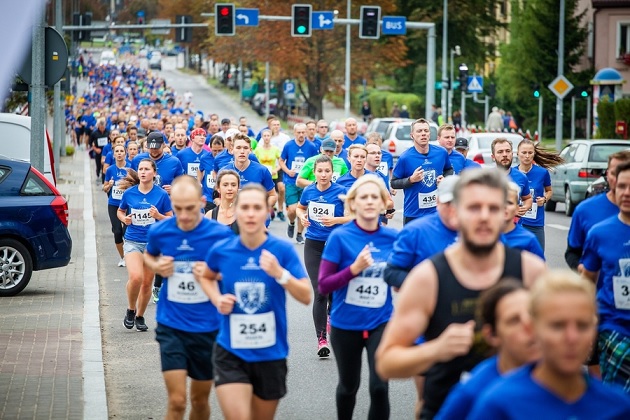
[183, 34]
[463, 77]
[492, 90]
[582, 91]
[301, 20]
[140, 17]
[369, 25]
[224, 15]
[536, 89]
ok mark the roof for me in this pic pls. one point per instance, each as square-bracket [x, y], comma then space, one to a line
[605, 4]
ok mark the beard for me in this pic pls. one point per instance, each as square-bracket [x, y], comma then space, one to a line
[476, 249]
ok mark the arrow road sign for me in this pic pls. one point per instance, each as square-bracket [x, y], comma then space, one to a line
[475, 84]
[394, 25]
[246, 17]
[322, 20]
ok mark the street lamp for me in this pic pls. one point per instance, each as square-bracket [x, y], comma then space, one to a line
[454, 51]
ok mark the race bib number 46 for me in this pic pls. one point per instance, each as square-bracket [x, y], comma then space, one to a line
[255, 331]
[182, 286]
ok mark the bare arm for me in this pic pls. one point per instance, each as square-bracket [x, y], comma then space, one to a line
[533, 267]
[300, 289]
[302, 182]
[272, 197]
[160, 264]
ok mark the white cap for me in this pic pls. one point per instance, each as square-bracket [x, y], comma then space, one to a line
[446, 187]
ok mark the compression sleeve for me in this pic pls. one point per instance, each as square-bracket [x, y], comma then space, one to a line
[394, 276]
[330, 279]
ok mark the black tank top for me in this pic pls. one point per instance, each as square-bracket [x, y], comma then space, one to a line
[233, 225]
[457, 304]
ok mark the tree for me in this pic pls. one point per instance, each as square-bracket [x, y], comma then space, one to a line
[169, 9]
[316, 62]
[531, 56]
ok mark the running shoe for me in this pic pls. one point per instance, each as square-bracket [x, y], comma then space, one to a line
[281, 217]
[299, 239]
[156, 294]
[322, 348]
[272, 213]
[140, 325]
[128, 322]
[290, 229]
[121, 263]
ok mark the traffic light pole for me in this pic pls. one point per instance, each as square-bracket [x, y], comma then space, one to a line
[346, 96]
[572, 117]
[588, 118]
[540, 117]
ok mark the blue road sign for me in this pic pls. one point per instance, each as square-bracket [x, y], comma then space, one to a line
[322, 20]
[475, 84]
[246, 17]
[289, 89]
[394, 25]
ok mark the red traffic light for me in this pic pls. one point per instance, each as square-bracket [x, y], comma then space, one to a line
[224, 11]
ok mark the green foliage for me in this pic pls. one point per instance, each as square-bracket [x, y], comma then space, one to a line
[383, 102]
[606, 113]
[622, 110]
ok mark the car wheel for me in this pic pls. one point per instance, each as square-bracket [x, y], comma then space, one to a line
[16, 267]
[550, 206]
[569, 205]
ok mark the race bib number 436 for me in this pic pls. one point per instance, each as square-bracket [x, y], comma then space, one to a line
[427, 200]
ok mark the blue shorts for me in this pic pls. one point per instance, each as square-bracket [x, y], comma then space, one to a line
[132, 246]
[292, 194]
[182, 350]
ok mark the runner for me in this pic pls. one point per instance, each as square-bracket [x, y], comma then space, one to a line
[168, 166]
[269, 156]
[386, 167]
[502, 155]
[357, 155]
[515, 235]
[256, 270]
[606, 262]
[187, 322]
[191, 157]
[306, 176]
[503, 313]
[564, 314]
[321, 210]
[539, 184]
[113, 175]
[418, 171]
[228, 184]
[141, 205]
[352, 270]
[446, 139]
[445, 314]
[461, 145]
[292, 158]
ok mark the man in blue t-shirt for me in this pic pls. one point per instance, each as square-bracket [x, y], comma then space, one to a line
[188, 322]
[502, 155]
[592, 211]
[446, 139]
[168, 166]
[606, 261]
[352, 134]
[461, 145]
[294, 154]
[418, 172]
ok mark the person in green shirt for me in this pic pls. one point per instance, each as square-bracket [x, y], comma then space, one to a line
[306, 176]
[244, 129]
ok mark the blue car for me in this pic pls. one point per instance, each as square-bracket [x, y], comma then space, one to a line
[33, 225]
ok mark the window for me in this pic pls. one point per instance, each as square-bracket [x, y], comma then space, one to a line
[623, 39]
[580, 153]
[35, 186]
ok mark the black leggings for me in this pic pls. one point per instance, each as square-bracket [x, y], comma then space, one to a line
[312, 258]
[348, 347]
[118, 228]
[99, 165]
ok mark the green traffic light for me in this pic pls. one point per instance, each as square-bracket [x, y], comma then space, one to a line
[584, 94]
[536, 94]
[301, 29]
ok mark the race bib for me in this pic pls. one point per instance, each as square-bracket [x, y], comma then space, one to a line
[255, 331]
[367, 292]
[621, 290]
[193, 168]
[383, 168]
[141, 217]
[297, 165]
[101, 141]
[318, 211]
[427, 200]
[335, 176]
[210, 181]
[117, 192]
[182, 286]
[533, 212]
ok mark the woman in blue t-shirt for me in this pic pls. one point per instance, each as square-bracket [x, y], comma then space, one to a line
[142, 204]
[113, 175]
[256, 271]
[227, 186]
[352, 267]
[321, 210]
[535, 163]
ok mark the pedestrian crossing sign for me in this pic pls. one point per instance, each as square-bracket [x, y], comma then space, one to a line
[475, 84]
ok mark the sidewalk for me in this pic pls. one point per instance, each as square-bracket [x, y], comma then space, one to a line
[49, 366]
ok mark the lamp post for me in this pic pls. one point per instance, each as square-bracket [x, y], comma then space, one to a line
[454, 51]
[444, 54]
[463, 68]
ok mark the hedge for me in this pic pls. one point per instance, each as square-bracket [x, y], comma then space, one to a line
[382, 103]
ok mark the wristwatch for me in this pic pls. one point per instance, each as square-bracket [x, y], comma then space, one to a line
[284, 278]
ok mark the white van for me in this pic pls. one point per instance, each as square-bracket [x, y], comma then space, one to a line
[15, 142]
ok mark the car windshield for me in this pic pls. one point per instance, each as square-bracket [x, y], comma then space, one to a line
[403, 132]
[600, 152]
[486, 141]
[381, 128]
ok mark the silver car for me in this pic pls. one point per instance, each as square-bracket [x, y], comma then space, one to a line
[479, 146]
[397, 138]
[380, 125]
[584, 162]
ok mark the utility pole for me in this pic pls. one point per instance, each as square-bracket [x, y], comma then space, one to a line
[59, 122]
[346, 98]
[560, 71]
[38, 95]
[444, 56]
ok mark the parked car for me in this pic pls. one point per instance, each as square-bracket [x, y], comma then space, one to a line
[599, 186]
[108, 58]
[479, 146]
[584, 162]
[397, 138]
[33, 225]
[380, 125]
[155, 62]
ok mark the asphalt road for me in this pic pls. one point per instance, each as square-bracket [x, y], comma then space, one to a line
[135, 388]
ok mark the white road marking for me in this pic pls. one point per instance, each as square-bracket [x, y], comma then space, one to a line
[559, 227]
